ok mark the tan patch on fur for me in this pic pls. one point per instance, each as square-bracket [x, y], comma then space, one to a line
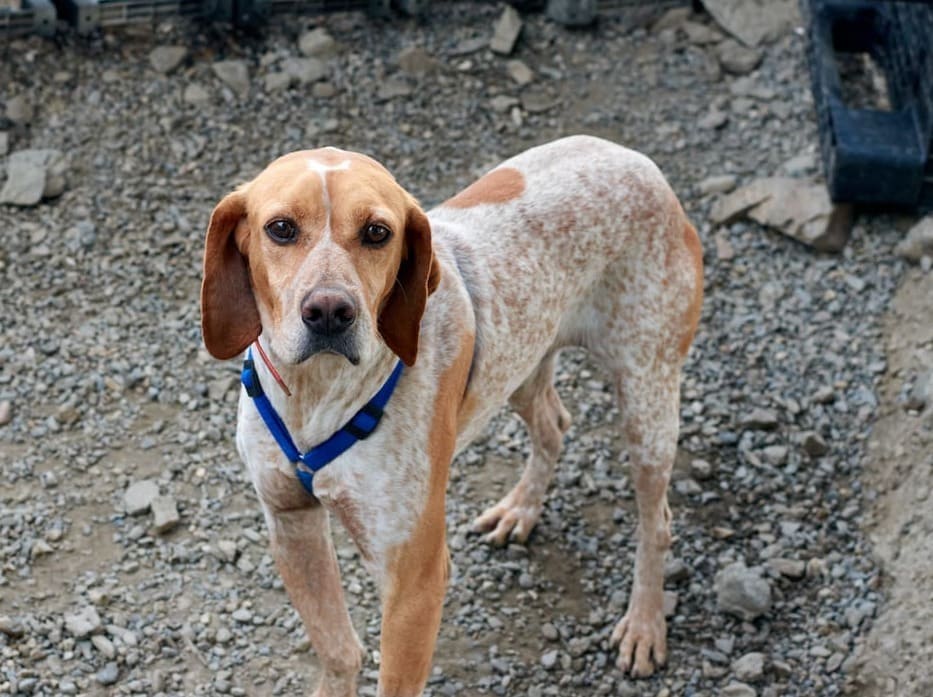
[499, 186]
[419, 569]
[692, 315]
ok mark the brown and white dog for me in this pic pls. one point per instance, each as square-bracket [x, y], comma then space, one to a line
[333, 267]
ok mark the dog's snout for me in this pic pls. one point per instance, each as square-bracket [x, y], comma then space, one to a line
[328, 311]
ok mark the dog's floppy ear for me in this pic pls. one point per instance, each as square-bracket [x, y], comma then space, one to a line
[418, 276]
[229, 316]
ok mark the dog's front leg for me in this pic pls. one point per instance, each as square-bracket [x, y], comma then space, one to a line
[304, 554]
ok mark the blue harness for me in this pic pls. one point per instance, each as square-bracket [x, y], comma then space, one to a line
[360, 427]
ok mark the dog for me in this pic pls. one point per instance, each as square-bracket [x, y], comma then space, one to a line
[348, 292]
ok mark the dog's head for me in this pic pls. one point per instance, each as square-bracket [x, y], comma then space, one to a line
[326, 253]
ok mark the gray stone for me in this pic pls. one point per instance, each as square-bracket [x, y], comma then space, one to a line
[750, 667]
[108, 675]
[798, 209]
[813, 444]
[317, 43]
[738, 689]
[324, 90]
[717, 184]
[19, 110]
[919, 241]
[742, 592]
[549, 659]
[164, 514]
[775, 455]
[675, 571]
[537, 102]
[672, 19]
[519, 72]
[227, 550]
[549, 632]
[305, 70]
[104, 646]
[759, 420]
[791, 568]
[276, 82]
[234, 74]
[33, 175]
[164, 59]
[737, 59]
[242, 615]
[6, 412]
[671, 598]
[920, 395]
[11, 627]
[82, 623]
[4, 143]
[700, 34]
[414, 60]
[572, 13]
[506, 31]
[196, 94]
[754, 21]
[502, 103]
[139, 496]
[393, 88]
[701, 469]
[713, 120]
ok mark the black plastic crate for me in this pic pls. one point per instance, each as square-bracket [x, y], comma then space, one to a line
[90, 15]
[34, 17]
[875, 154]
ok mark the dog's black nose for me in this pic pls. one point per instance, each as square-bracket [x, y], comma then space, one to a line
[328, 311]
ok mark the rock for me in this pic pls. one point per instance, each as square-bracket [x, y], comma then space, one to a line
[919, 241]
[108, 675]
[738, 689]
[791, 568]
[754, 21]
[675, 570]
[750, 667]
[164, 59]
[742, 592]
[700, 34]
[506, 30]
[549, 659]
[737, 59]
[920, 395]
[33, 175]
[164, 514]
[813, 444]
[305, 70]
[502, 103]
[6, 412]
[82, 623]
[798, 209]
[759, 420]
[670, 603]
[537, 102]
[519, 72]
[549, 632]
[717, 184]
[227, 549]
[393, 88]
[317, 43]
[276, 82]
[724, 249]
[104, 645]
[713, 120]
[701, 469]
[242, 615]
[139, 496]
[40, 548]
[324, 90]
[775, 455]
[13, 628]
[4, 143]
[672, 19]
[414, 60]
[19, 110]
[196, 94]
[572, 13]
[234, 74]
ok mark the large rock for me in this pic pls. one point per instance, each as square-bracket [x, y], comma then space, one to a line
[799, 209]
[737, 59]
[164, 59]
[234, 73]
[317, 43]
[82, 623]
[304, 71]
[164, 514]
[919, 241]
[506, 31]
[33, 175]
[754, 21]
[750, 667]
[742, 592]
[138, 497]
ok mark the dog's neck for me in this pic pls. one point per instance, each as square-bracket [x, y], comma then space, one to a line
[326, 391]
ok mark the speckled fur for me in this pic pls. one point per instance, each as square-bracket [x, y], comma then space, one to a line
[579, 242]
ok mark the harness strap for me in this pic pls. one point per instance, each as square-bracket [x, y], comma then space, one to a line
[359, 427]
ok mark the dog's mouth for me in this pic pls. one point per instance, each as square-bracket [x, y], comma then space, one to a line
[336, 345]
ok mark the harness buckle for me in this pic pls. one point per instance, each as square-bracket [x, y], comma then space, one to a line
[251, 380]
[362, 432]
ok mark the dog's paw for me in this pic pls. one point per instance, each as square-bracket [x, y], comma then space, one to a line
[510, 519]
[642, 640]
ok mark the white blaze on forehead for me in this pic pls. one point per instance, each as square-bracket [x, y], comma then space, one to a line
[322, 170]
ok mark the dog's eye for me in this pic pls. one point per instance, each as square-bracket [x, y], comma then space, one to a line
[375, 234]
[281, 230]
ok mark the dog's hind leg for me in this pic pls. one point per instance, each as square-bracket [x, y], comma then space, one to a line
[536, 401]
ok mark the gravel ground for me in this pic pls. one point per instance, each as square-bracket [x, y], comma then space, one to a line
[104, 383]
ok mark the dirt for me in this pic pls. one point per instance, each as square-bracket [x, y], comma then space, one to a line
[897, 655]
